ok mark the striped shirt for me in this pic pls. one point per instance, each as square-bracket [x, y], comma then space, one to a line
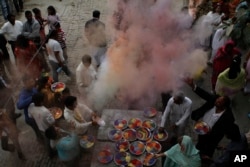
[61, 38]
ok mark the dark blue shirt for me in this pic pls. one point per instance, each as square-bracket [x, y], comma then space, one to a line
[25, 99]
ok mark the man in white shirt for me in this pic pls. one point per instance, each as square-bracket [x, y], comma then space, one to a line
[177, 113]
[80, 117]
[211, 117]
[56, 58]
[85, 75]
[217, 113]
[11, 30]
[44, 119]
[42, 116]
[95, 33]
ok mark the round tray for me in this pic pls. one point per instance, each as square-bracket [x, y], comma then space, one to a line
[150, 124]
[201, 128]
[122, 145]
[87, 141]
[135, 163]
[129, 134]
[137, 148]
[105, 156]
[56, 112]
[160, 136]
[149, 159]
[58, 87]
[134, 123]
[122, 158]
[120, 124]
[143, 134]
[153, 147]
[115, 135]
[149, 112]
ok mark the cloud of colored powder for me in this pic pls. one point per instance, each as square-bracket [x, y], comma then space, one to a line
[151, 50]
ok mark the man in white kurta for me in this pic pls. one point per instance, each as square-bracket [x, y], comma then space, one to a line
[177, 113]
[219, 39]
[85, 75]
[208, 25]
[11, 30]
[78, 115]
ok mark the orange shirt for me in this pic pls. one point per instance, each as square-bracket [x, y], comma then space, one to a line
[23, 58]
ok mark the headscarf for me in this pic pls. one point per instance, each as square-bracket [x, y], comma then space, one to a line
[223, 60]
[189, 158]
[221, 54]
[228, 43]
[229, 87]
[190, 148]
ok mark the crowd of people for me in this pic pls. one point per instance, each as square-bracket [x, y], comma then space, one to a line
[221, 27]
[226, 46]
[37, 55]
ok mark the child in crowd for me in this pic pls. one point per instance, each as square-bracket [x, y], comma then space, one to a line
[61, 39]
[52, 17]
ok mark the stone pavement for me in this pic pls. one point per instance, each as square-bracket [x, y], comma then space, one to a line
[73, 16]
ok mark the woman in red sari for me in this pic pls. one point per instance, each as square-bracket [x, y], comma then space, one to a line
[223, 59]
[24, 51]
